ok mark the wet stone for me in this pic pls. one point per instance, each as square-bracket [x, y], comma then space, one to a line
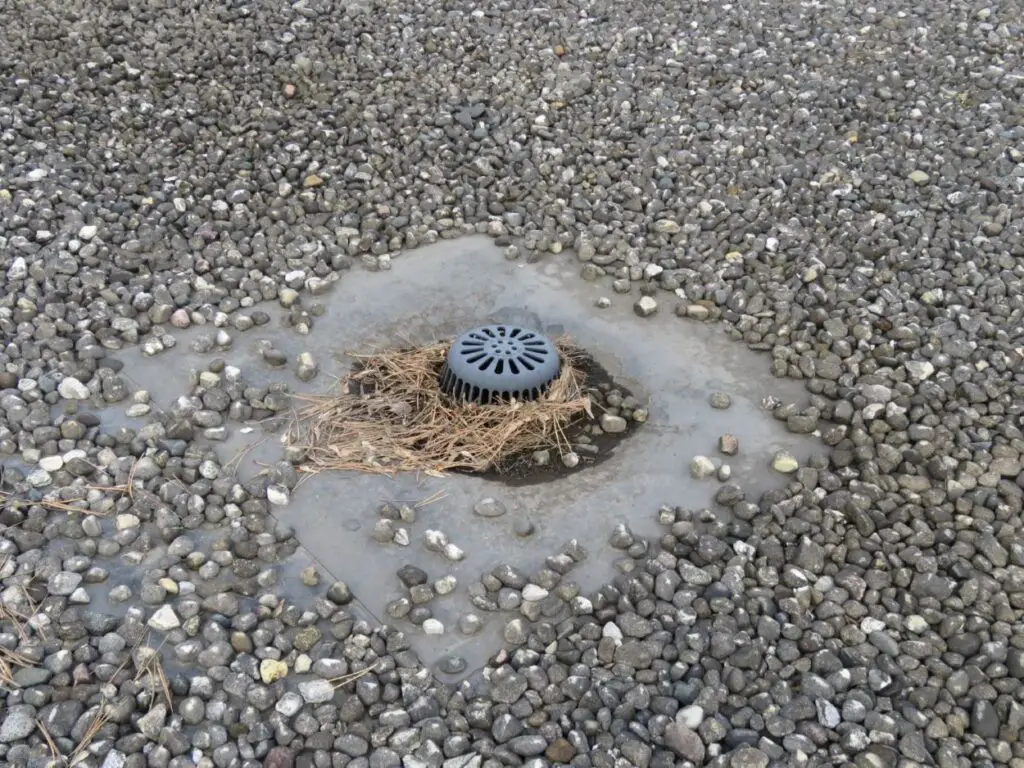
[275, 357]
[64, 583]
[339, 593]
[613, 424]
[729, 494]
[785, 463]
[306, 638]
[421, 593]
[523, 527]
[412, 576]
[306, 367]
[164, 619]
[278, 495]
[622, 537]
[701, 467]
[645, 306]
[452, 665]
[516, 631]
[399, 608]
[432, 626]
[470, 624]
[445, 585]
[509, 576]
[720, 400]
[489, 507]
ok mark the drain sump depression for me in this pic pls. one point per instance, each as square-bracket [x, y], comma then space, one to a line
[495, 363]
[591, 444]
[500, 402]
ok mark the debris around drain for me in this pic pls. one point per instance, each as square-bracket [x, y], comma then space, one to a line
[391, 415]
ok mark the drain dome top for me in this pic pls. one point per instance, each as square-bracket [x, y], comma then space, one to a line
[499, 362]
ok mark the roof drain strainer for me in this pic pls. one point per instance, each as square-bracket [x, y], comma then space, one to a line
[499, 362]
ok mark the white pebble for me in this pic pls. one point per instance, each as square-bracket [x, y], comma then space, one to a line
[435, 541]
[18, 270]
[653, 270]
[691, 716]
[151, 347]
[533, 593]
[433, 627]
[277, 495]
[701, 467]
[316, 691]
[611, 629]
[445, 585]
[645, 306]
[582, 606]
[125, 521]
[613, 424]
[919, 370]
[869, 625]
[289, 704]
[916, 624]
[51, 463]
[72, 389]
[165, 619]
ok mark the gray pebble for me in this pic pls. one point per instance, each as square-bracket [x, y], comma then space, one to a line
[489, 507]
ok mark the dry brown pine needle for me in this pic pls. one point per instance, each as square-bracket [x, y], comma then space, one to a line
[390, 416]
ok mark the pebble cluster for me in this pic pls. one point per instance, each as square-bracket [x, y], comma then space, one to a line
[615, 415]
[838, 185]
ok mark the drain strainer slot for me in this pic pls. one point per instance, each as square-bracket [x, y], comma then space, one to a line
[499, 362]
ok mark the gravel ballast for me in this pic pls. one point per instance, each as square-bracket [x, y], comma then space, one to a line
[836, 185]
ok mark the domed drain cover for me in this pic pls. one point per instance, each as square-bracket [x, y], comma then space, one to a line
[499, 362]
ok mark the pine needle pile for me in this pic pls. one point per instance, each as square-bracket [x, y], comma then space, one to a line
[389, 415]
